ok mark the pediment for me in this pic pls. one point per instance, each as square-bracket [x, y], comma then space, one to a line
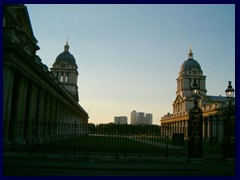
[20, 14]
[178, 99]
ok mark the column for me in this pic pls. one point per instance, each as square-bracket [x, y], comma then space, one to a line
[208, 128]
[204, 128]
[19, 109]
[46, 130]
[40, 117]
[186, 128]
[170, 130]
[61, 120]
[64, 132]
[30, 121]
[53, 120]
[7, 99]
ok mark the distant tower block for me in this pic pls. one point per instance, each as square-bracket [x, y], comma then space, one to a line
[134, 117]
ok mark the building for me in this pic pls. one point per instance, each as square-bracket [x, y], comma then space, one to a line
[191, 72]
[141, 118]
[33, 97]
[120, 119]
[149, 118]
[133, 117]
[65, 70]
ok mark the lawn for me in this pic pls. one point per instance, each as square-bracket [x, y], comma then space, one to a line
[111, 144]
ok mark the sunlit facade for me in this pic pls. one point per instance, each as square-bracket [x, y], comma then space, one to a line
[190, 72]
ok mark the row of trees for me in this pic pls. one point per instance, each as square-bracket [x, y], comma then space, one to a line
[124, 129]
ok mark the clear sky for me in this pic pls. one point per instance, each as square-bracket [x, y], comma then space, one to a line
[129, 56]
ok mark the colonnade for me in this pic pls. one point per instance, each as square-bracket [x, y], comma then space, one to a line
[168, 129]
[213, 127]
[32, 108]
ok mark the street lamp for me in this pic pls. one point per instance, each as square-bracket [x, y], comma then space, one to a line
[195, 93]
[195, 126]
[229, 125]
[229, 92]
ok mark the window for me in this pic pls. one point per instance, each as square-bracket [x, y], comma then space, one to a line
[66, 77]
[61, 78]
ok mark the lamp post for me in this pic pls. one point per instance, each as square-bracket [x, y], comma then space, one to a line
[195, 126]
[229, 93]
[195, 93]
[229, 125]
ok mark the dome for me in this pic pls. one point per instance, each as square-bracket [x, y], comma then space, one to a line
[65, 57]
[190, 63]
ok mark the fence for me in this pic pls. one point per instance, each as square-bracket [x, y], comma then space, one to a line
[87, 138]
[119, 139]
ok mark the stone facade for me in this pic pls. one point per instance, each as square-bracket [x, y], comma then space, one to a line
[32, 94]
[65, 70]
[190, 72]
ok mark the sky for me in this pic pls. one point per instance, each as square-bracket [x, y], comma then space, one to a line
[129, 56]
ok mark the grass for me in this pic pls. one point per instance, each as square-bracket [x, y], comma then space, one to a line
[120, 144]
[111, 144]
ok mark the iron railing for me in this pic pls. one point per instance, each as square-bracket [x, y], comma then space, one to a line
[119, 139]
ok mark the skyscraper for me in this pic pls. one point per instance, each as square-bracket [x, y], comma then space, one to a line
[148, 118]
[120, 119]
[133, 117]
[141, 118]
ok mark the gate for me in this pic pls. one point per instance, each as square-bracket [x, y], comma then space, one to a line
[209, 135]
[195, 133]
[229, 133]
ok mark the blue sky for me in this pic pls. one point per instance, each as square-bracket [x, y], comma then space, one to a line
[129, 56]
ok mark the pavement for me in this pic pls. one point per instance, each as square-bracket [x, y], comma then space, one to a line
[16, 164]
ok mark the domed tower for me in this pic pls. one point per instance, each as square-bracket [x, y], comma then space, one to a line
[189, 73]
[65, 70]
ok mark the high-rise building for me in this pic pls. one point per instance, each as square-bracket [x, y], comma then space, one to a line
[134, 117]
[120, 119]
[149, 118]
[141, 118]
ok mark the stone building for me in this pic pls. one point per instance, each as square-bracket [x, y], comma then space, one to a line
[191, 72]
[32, 96]
[65, 70]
